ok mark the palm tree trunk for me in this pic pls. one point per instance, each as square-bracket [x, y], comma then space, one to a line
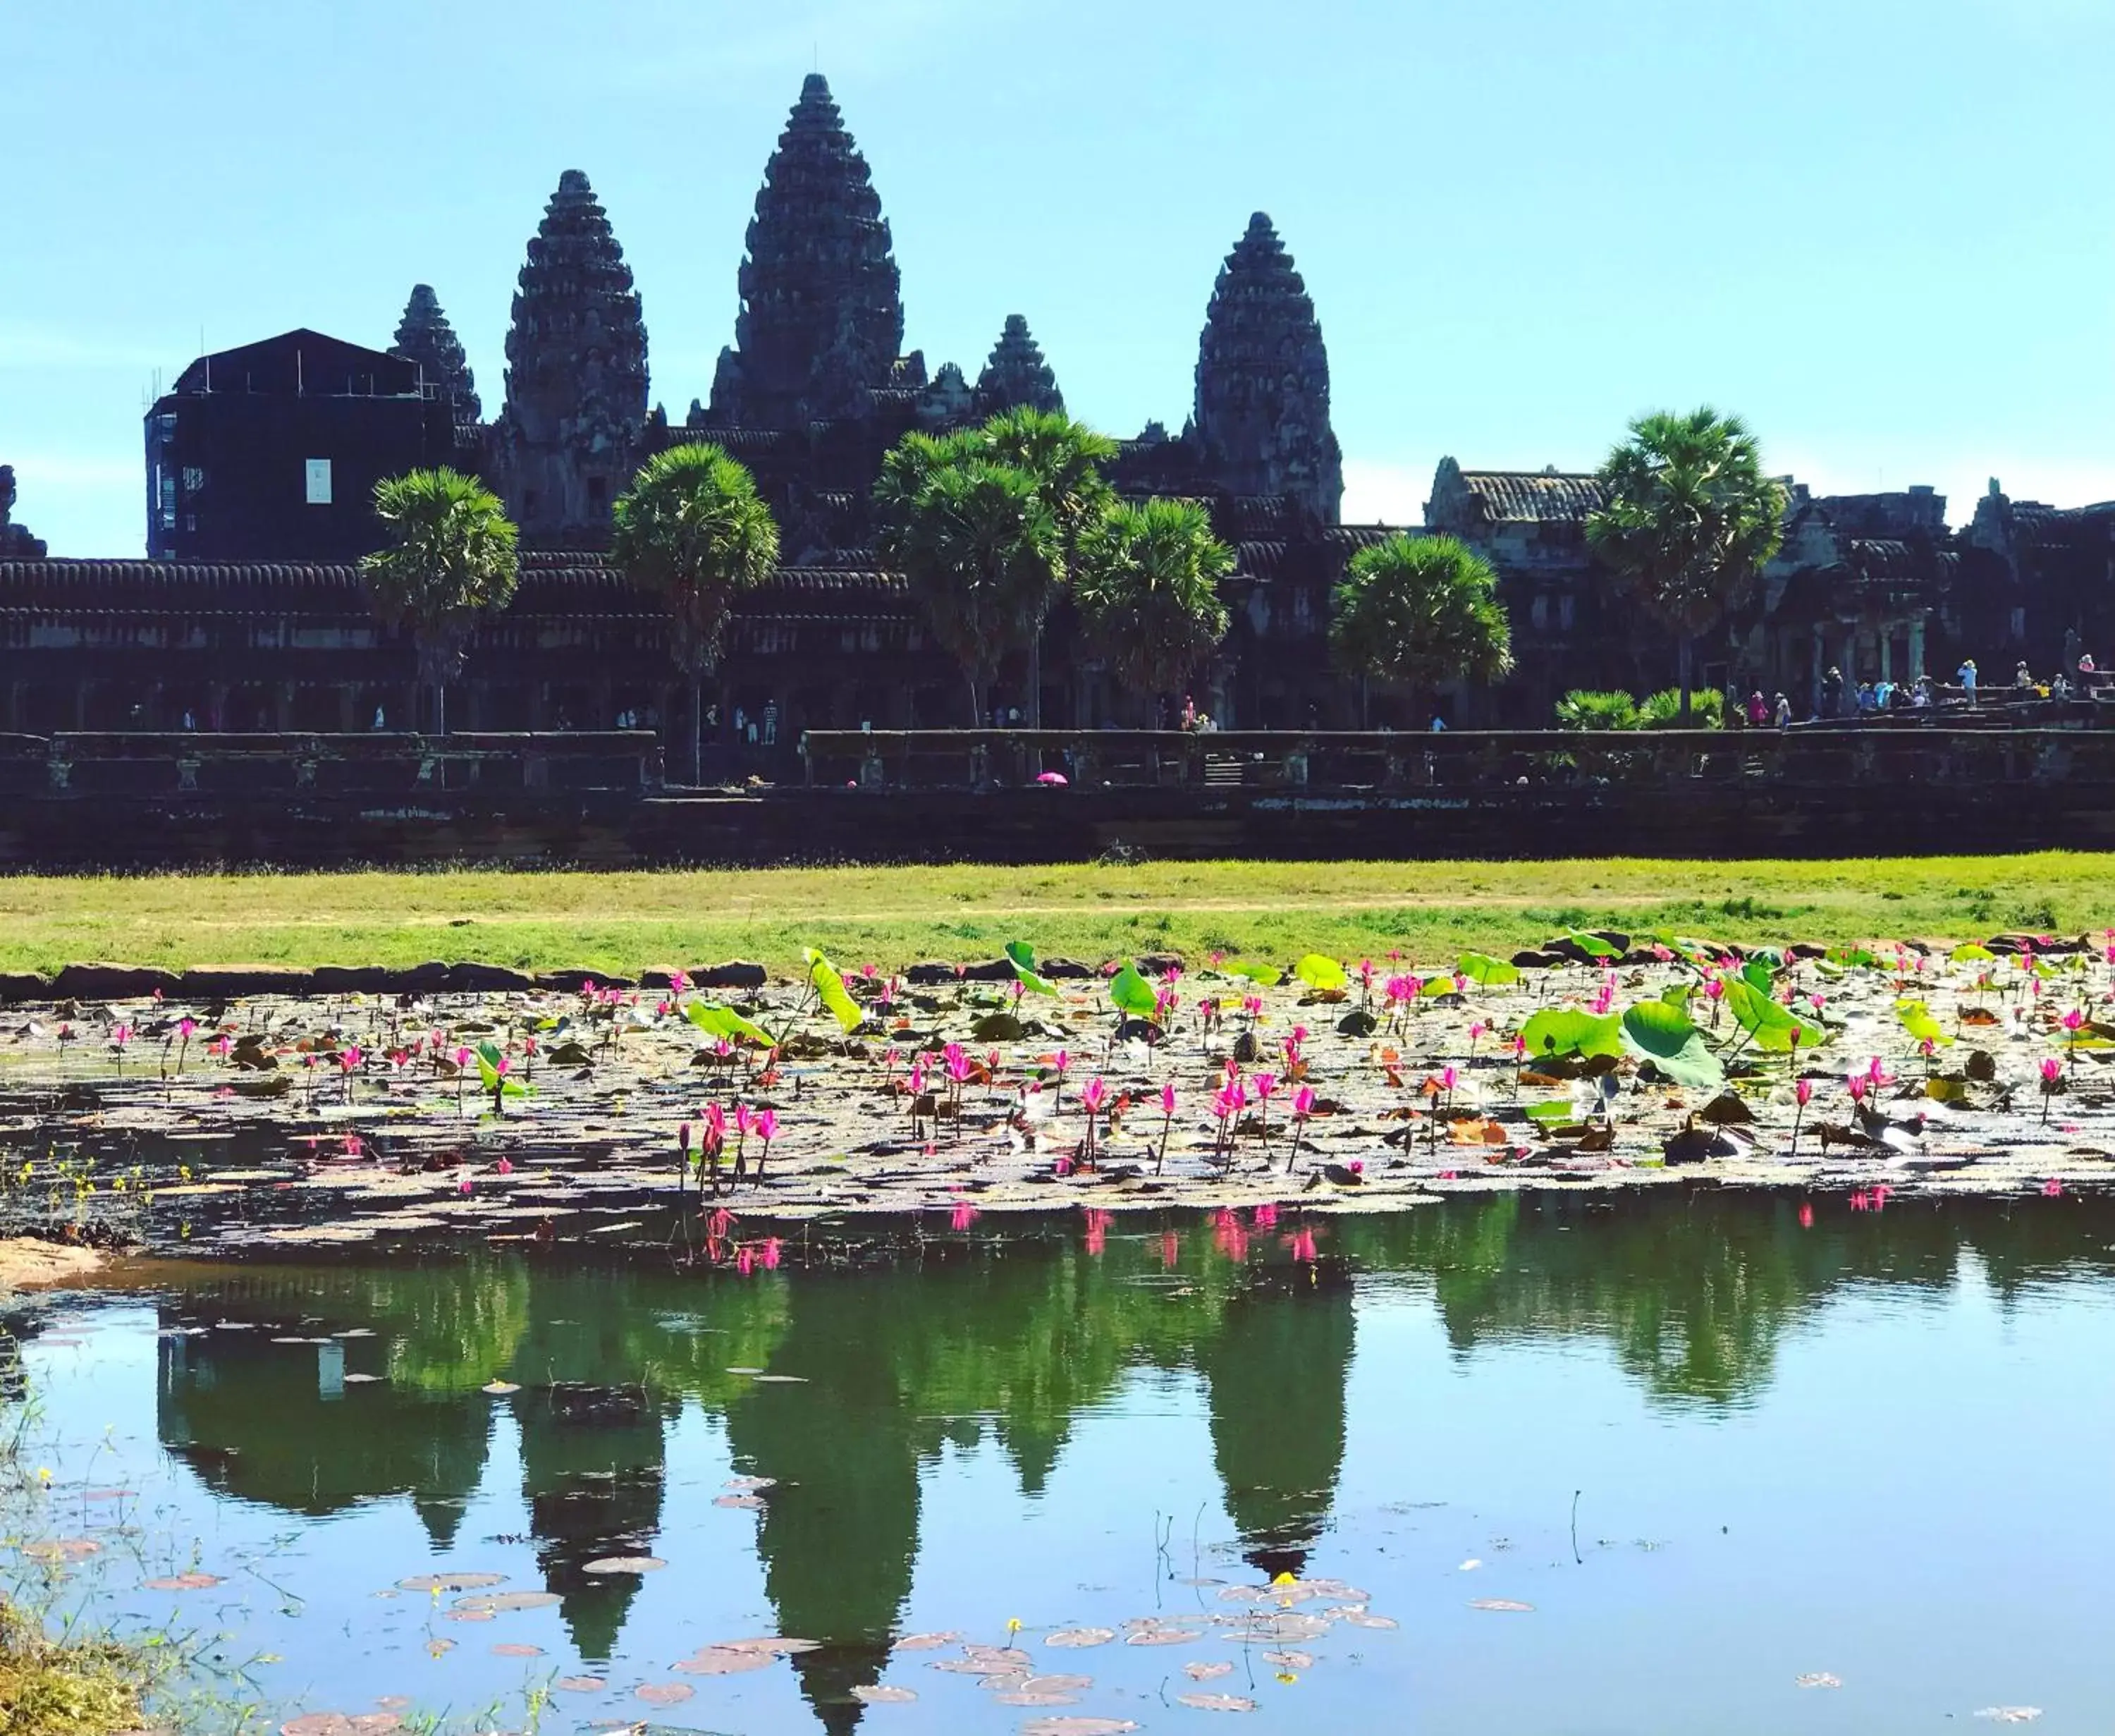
[697, 728]
[1685, 657]
[974, 677]
[1035, 680]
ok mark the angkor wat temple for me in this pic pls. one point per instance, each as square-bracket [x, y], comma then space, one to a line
[250, 613]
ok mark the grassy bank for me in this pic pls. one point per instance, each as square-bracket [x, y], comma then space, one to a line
[625, 921]
[88, 1687]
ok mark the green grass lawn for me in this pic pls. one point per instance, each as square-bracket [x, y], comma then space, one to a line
[626, 921]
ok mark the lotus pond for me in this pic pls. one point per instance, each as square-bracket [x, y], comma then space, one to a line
[717, 1123]
[1662, 1460]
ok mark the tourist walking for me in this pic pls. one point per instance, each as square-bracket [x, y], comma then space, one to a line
[771, 723]
[1965, 675]
[1758, 709]
[1832, 692]
[1781, 713]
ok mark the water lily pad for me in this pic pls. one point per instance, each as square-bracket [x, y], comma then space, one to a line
[1505, 1606]
[751, 1482]
[1367, 1619]
[499, 1602]
[749, 1503]
[771, 1645]
[663, 1693]
[625, 1564]
[1057, 1684]
[1201, 1671]
[580, 1684]
[1818, 1679]
[499, 1388]
[1291, 1660]
[1080, 1637]
[1162, 1637]
[515, 1649]
[926, 1641]
[1077, 1727]
[1029, 1697]
[337, 1724]
[451, 1582]
[884, 1695]
[715, 1661]
[2011, 1714]
[1217, 1702]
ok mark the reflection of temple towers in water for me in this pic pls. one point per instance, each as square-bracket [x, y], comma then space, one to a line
[1275, 1372]
[838, 1535]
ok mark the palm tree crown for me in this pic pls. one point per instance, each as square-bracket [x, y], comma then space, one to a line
[1148, 588]
[452, 557]
[1691, 520]
[692, 528]
[1421, 611]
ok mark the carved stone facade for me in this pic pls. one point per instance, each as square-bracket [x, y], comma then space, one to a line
[569, 439]
[15, 542]
[424, 336]
[1262, 418]
[822, 312]
[1017, 376]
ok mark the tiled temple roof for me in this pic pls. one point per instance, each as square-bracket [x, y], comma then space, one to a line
[1536, 497]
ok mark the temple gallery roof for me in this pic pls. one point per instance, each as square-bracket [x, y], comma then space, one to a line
[1534, 497]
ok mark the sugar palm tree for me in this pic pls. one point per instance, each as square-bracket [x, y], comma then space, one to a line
[1146, 579]
[692, 528]
[1066, 459]
[1691, 520]
[1419, 611]
[981, 551]
[451, 558]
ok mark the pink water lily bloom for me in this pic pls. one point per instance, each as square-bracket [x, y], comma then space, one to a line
[1167, 1099]
[1804, 1092]
[1303, 1102]
[1094, 1094]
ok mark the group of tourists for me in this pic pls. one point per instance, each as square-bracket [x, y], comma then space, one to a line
[1839, 699]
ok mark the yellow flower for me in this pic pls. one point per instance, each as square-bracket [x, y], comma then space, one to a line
[1013, 1624]
[1284, 1579]
[44, 1473]
[1287, 1677]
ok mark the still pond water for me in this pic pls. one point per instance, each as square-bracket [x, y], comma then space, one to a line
[1713, 1452]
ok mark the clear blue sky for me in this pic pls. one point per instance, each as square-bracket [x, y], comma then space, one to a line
[1882, 230]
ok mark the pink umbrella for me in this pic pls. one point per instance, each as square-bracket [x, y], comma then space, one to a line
[1056, 778]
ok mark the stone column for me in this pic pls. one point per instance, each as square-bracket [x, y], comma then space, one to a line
[1813, 695]
[1916, 649]
[1887, 655]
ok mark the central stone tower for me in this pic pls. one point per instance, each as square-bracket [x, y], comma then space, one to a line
[1262, 422]
[567, 442]
[822, 307]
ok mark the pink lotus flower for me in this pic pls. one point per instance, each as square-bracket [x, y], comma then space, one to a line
[1266, 1086]
[1857, 1084]
[2052, 1070]
[1094, 1095]
[503, 1167]
[1804, 1092]
[2052, 1187]
[767, 1126]
[770, 1256]
[1167, 1099]
[1303, 1102]
[963, 1216]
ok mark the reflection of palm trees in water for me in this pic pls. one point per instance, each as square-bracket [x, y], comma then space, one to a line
[1694, 1290]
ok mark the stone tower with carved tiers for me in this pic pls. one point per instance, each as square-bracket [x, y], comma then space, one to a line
[424, 336]
[568, 441]
[1262, 418]
[822, 308]
[1017, 377]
